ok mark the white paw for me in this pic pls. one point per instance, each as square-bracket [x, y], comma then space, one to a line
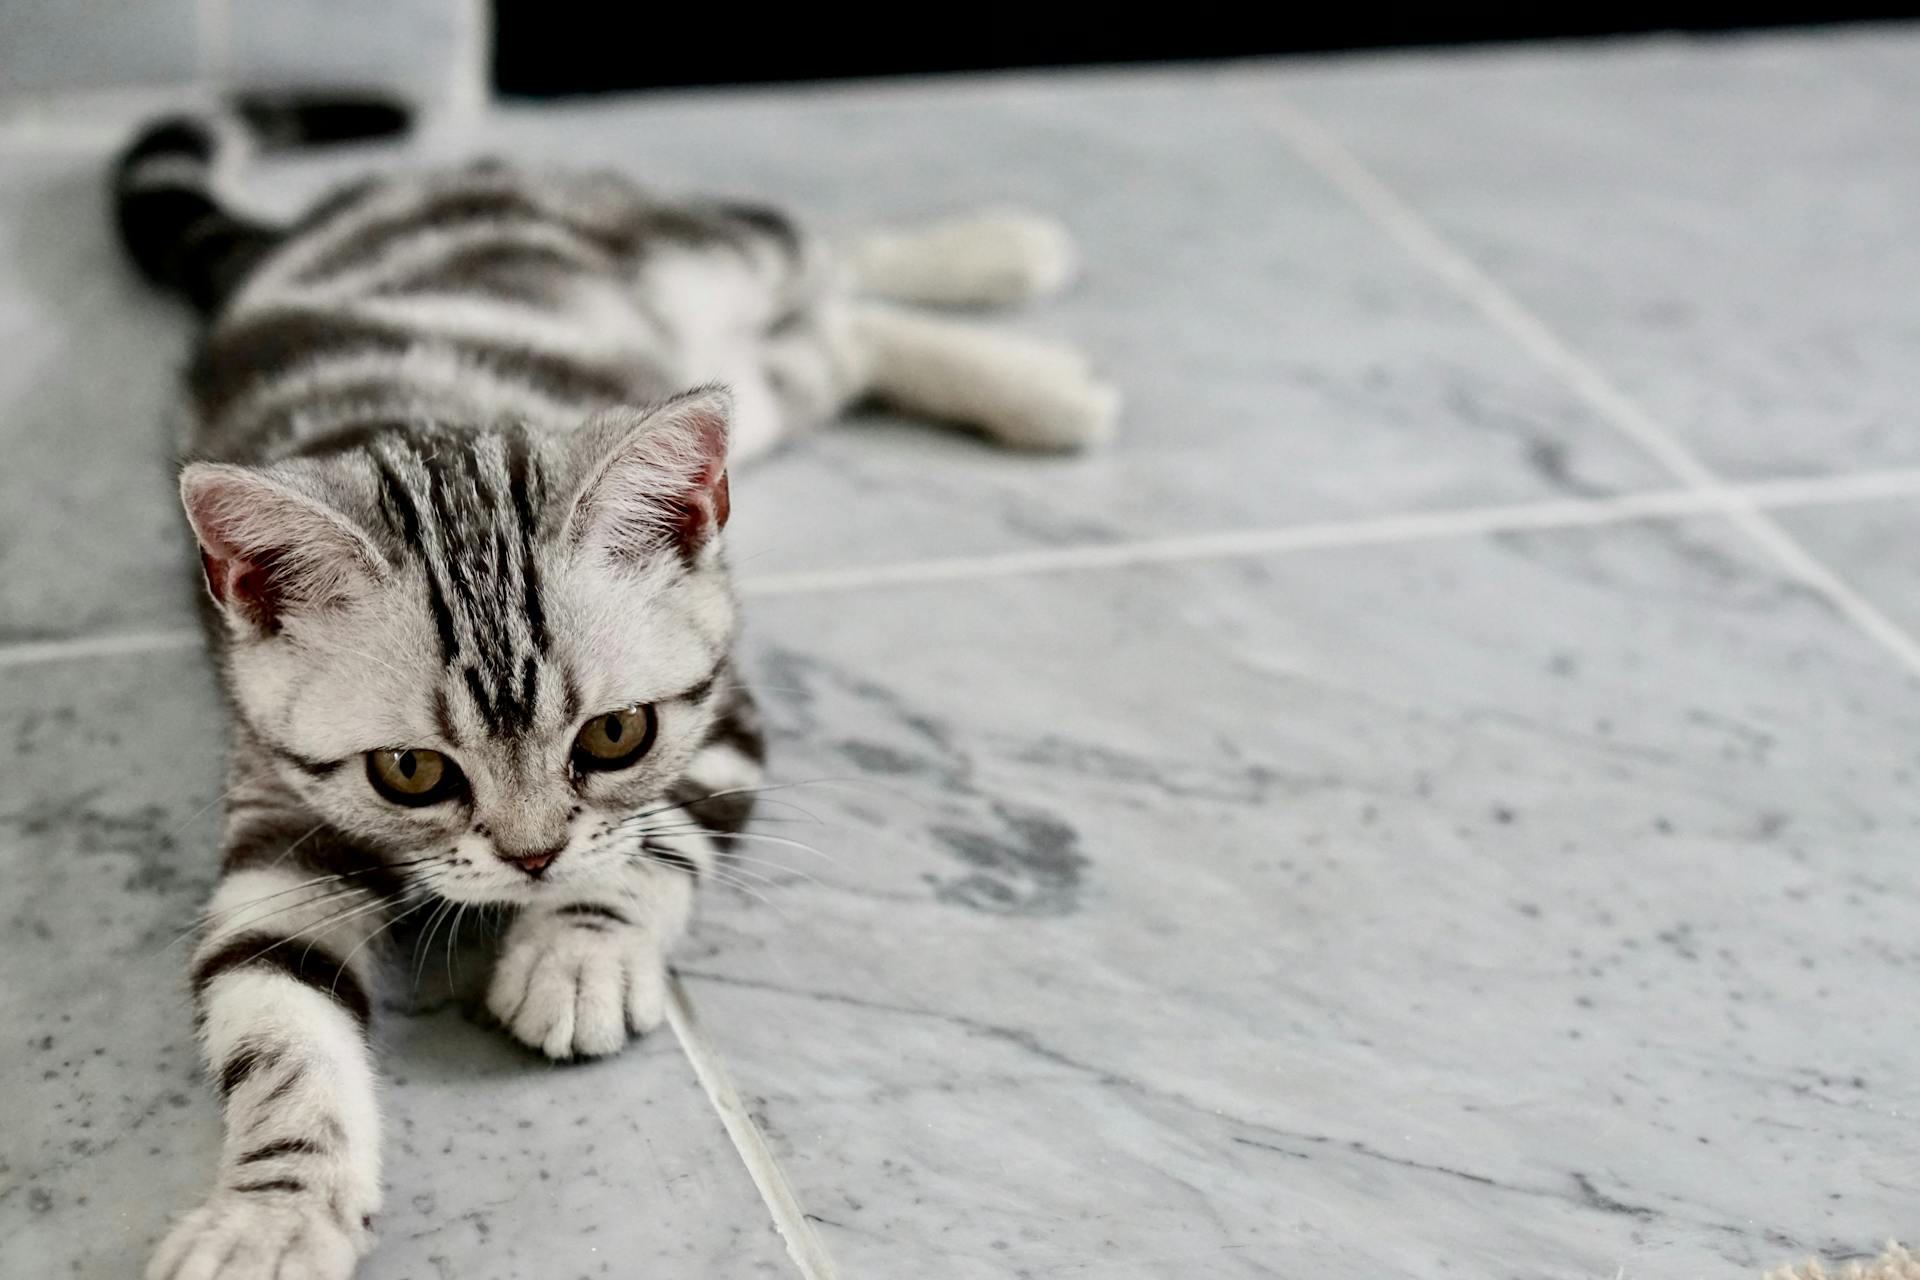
[1055, 402]
[1012, 256]
[262, 1235]
[575, 986]
[987, 259]
[1084, 412]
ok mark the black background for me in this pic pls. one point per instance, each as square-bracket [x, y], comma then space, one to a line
[552, 48]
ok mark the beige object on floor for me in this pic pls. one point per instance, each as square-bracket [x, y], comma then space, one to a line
[1895, 1264]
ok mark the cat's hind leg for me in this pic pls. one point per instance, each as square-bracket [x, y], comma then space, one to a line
[994, 258]
[1021, 390]
[752, 303]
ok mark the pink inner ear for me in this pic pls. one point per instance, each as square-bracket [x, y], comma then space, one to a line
[704, 506]
[236, 583]
[266, 549]
[664, 484]
[703, 512]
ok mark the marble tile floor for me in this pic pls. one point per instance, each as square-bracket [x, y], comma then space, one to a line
[1433, 800]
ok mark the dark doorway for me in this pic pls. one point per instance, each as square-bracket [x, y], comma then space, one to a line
[565, 47]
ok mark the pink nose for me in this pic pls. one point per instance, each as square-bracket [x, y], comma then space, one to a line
[535, 864]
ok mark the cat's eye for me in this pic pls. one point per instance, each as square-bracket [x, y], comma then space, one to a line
[413, 775]
[615, 739]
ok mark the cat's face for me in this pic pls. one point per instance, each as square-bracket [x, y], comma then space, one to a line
[486, 657]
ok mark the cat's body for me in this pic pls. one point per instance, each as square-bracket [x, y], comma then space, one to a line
[459, 448]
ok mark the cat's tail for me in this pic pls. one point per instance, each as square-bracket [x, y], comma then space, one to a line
[172, 221]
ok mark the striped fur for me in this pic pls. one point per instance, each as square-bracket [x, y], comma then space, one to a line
[458, 471]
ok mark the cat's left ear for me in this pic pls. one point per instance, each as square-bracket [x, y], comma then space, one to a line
[269, 550]
[660, 478]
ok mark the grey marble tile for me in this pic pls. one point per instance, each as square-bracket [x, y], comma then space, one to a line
[1727, 227]
[1875, 546]
[499, 1164]
[421, 46]
[89, 537]
[1530, 905]
[54, 45]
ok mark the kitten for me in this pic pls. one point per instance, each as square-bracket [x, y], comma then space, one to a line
[458, 474]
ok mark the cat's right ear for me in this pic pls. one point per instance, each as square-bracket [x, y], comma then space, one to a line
[660, 478]
[268, 550]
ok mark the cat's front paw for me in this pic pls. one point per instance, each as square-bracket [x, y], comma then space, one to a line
[575, 983]
[260, 1235]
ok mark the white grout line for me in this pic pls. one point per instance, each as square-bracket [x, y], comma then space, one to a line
[121, 644]
[1234, 544]
[803, 1246]
[1341, 169]
[1835, 490]
[1332, 534]
[1328, 535]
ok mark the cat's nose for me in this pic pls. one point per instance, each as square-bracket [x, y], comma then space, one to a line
[534, 864]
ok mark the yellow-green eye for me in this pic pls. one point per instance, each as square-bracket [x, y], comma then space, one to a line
[614, 739]
[413, 775]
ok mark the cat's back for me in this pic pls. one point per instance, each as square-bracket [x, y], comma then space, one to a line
[471, 296]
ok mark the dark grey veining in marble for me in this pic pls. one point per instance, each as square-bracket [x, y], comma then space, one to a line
[1498, 906]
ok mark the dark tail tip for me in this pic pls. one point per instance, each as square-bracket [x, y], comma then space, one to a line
[163, 203]
[170, 220]
[317, 117]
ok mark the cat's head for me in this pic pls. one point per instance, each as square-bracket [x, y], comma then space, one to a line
[479, 653]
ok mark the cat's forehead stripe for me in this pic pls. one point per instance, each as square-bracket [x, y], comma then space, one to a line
[465, 507]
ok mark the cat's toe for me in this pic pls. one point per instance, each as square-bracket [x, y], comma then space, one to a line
[241, 1235]
[580, 995]
[646, 992]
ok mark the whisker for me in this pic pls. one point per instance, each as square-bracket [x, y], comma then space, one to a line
[327, 926]
[733, 877]
[348, 958]
[341, 875]
[453, 941]
[762, 789]
[226, 925]
[759, 817]
[724, 878]
[740, 859]
[757, 877]
[424, 947]
[188, 821]
[208, 919]
[288, 851]
[751, 835]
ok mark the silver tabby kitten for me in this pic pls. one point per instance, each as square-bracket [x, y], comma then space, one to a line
[459, 449]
